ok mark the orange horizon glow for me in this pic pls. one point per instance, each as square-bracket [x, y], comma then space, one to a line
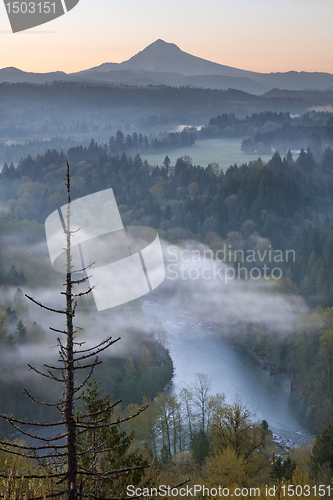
[264, 37]
[76, 62]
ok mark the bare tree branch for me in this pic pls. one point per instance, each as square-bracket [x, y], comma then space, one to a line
[96, 346]
[44, 374]
[101, 349]
[79, 367]
[99, 412]
[34, 448]
[46, 440]
[59, 311]
[17, 421]
[58, 331]
[110, 424]
[27, 393]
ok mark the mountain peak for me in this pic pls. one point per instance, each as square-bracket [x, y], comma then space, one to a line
[158, 56]
[165, 63]
[162, 44]
[165, 57]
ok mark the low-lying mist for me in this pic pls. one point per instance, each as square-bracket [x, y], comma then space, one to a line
[195, 284]
[210, 290]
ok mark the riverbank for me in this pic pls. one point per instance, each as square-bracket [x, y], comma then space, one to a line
[196, 347]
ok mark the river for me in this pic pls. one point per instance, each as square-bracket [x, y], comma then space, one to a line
[198, 347]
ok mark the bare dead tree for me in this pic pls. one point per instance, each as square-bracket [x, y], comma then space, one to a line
[200, 390]
[59, 460]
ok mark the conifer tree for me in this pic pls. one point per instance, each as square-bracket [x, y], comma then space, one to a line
[21, 330]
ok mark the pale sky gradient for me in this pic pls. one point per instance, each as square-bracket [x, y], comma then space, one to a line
[257, 35]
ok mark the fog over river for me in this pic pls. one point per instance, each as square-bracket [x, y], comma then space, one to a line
[197, 347]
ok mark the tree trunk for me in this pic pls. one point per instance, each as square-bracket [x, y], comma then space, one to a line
[69, 406]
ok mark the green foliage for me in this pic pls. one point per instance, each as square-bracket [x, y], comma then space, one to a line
[283, 468]
[143, 375]
[306, 355]
[21, 330]
[288, 203]
[121, 450]
[200, 446]
[322, 451]
[164, 142]
[233, 428]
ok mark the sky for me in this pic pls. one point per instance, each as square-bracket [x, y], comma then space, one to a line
[261, 35]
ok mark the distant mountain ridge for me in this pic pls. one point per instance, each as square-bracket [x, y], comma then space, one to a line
[14, 75]
[163, 57]
[162, 63]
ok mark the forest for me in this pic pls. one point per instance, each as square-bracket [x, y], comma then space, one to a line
[269, 131]
[35, 118]
[280, 205]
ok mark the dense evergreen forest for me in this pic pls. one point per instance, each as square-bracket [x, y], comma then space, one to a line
[285, 201]
[41, 111]
[264, 132]
[285, 204]
[270, 131]
[62, 114]
[116, 144]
